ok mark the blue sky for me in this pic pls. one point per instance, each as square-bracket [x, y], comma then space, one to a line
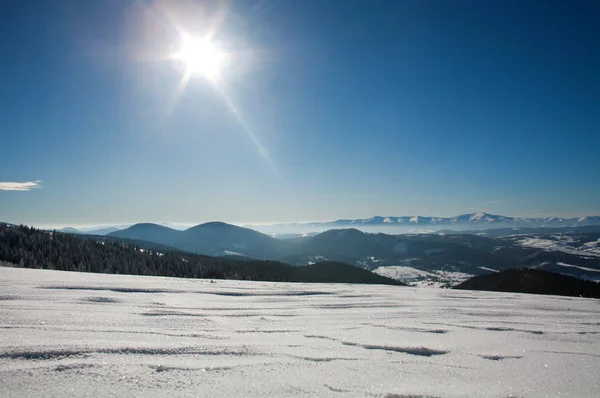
[358, 108]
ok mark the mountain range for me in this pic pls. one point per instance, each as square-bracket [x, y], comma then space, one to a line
[569, 250]
[445, 257]
[403, 224]
[460, 222]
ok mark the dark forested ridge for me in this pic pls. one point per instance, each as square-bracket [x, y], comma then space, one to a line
[211, 239]
[34, 248]
[532, 281]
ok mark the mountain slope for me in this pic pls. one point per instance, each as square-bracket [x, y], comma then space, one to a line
[504, 232]
[150, 232]
[102, 230]
[71, 230]
[218, 238]
[532, 281]
[341, 245]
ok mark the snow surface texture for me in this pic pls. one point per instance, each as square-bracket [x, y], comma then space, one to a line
[75, 334]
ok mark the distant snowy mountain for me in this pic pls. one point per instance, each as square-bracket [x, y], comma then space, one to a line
[463, 221]
[589, 220]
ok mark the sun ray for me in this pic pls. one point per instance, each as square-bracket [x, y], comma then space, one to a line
[232, 108]
[201, 56]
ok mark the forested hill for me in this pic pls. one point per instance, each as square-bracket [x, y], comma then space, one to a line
[533, 281]
[34, 248]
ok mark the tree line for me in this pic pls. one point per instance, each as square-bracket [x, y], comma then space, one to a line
[534, 281]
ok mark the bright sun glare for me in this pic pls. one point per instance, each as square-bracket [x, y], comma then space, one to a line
[201, 57]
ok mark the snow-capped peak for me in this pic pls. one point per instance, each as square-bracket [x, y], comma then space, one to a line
[478, 217]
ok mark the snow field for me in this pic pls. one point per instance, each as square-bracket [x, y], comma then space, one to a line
[75, 334]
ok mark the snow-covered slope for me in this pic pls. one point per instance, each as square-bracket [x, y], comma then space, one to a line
[70, 334]
[562, 243]
[403, 273]
[417, 277]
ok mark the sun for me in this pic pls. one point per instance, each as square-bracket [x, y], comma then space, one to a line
[201, 56]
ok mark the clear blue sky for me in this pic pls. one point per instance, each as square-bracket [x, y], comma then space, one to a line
[361, 108]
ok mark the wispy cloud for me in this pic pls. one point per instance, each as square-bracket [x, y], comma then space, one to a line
[20, 186]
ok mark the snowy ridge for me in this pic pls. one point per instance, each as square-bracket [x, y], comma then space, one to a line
[474, 219]
[578, 267]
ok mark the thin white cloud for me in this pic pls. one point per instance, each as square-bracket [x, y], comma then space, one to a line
[20, 186]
